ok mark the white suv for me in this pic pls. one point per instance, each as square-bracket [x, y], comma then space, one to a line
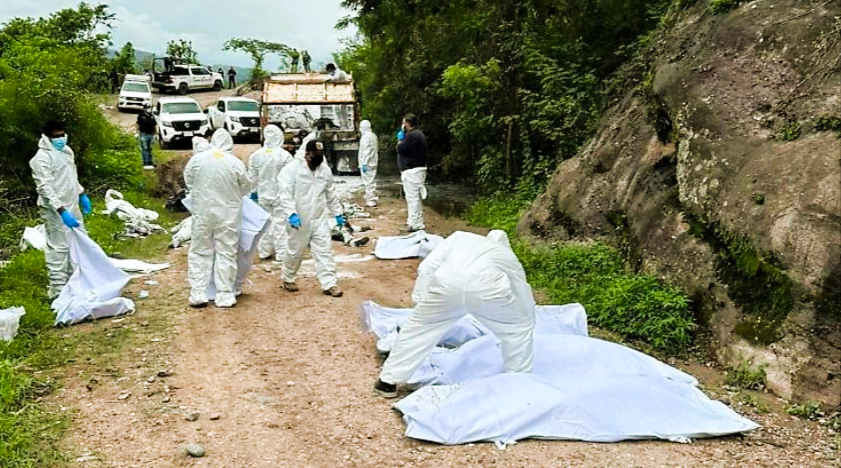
[239, 116]
[135, 93]
[179, 118]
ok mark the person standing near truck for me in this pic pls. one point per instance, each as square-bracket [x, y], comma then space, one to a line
[295, 55]
[146, 127]
[232, 78]
[368, 149]
[306, 59]
[411, 160]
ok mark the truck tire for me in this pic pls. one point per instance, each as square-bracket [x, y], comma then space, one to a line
[164, 145]
[217, 86]
[183, 89]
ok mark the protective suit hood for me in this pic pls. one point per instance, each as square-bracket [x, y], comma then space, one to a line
[200, 145]
[273, 136]
[222, 140]
[500, 237]
[365, 127]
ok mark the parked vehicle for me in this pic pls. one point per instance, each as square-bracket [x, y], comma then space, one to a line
[306, 101]
[135, 93]
[179, 118]
[239, 116]
[183, 78]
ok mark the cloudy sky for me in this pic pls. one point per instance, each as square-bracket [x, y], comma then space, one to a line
[150, 24]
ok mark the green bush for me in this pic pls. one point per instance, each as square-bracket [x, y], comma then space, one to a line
[594, 275]
[746, 377]
[790, 132]
[112, 169]
[723, 6]
[811, 410]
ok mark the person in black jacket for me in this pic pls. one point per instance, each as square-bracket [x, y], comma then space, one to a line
[146, 126]
[411, 160]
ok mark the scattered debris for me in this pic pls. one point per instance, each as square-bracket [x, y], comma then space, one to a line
[192, 416]
[9, 321]
[215, 417]
[138, 220]
[195, 450]
[143, 294]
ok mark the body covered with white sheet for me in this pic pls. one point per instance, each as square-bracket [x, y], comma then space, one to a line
[217, 181]
[467, 274]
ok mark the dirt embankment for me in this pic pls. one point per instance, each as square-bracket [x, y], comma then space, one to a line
[718, 167]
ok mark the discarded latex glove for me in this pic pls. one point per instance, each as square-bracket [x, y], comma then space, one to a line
[340, 220]
[69, 220]
[295, 221]
[85, 202]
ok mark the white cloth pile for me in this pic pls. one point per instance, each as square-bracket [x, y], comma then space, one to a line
[580, 389]
[416, 244]
[138, 220]
[36, 239]
[9, 322]
[182, 233]
[93, 290]
[255, 221]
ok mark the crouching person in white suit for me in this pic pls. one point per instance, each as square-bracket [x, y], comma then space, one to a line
[466, 274]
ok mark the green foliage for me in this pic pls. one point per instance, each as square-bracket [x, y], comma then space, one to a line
[829, 123]
[791, 131]
[810, 410]
[503, 90]
[746, 377]
[125, 61]
[755, 403]
[183, 51]
[723, 6]
[633, 305]
[759, 198]
[258, 49]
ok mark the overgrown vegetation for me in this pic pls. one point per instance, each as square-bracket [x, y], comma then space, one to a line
[746, 376]
[634, 305]
[810, 410]
[791, 131]
[829, 123]
[723, 6]
[504, 90]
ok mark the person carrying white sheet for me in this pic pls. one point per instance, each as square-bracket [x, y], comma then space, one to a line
[466, 274]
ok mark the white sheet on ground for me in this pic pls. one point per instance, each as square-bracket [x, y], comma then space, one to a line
[416, 244]
[254, 224]
[581, 389]
[93, 290]
[138, 220]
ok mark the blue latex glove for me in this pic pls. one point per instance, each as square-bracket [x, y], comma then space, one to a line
[295, 221]
[364, 168]
[86, 203]
[254, 196]
[69, 220]
[401, 134]
[340, 220]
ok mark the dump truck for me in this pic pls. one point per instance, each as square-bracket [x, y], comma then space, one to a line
[308, 102]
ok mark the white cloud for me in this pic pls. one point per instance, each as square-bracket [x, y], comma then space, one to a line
[150, 24]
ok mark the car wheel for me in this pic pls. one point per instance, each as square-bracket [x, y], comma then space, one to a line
[183, 89]
[217, 86]
[164, 145]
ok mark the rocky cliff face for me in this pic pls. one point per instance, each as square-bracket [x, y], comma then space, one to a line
[721, 172]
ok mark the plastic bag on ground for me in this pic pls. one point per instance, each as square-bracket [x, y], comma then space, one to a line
[93, 290]
[416, 244]
[9, 321]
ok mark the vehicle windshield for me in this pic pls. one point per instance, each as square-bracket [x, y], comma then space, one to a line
[136, 87]
[243, 106]
[182, 108]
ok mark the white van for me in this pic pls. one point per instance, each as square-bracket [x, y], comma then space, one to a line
[135, 93]
[179, 118]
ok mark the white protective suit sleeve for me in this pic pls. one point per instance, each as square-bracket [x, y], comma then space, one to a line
[218, 182]
[479, 276]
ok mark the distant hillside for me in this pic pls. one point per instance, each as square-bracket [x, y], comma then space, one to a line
[143, 60]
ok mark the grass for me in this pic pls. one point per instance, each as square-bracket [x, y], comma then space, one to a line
[791, 131]
[810, 410]
[754, 402]
[636, 306]
[746, 377]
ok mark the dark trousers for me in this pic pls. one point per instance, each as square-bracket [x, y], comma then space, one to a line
[232, 82]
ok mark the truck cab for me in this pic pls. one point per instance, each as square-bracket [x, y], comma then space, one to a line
[172, 76]
[239, 116]
[309, 102]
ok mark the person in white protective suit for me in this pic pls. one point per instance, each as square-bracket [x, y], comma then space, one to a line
[368, 158]
[466, 274]
[200, 145]
[264, 169]
[217, 181]
[59, 197]
[306, 200]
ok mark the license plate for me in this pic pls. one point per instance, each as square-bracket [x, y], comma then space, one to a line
[188, 134]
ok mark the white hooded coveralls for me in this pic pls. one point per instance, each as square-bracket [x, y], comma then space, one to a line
[217, 181]
[264, 170]
[368, 156]
[467, 274]
[200, 145]
[310, 195]
[57, 183]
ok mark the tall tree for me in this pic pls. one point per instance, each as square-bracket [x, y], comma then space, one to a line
[182, 50]
[258, 50]
[125, 61]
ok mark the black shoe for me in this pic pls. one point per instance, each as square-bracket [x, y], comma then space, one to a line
[361, 242]
[385, 390]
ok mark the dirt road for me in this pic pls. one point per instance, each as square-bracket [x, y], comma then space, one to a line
[289, 377]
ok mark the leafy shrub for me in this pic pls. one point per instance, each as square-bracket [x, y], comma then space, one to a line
[790, 132]
[723, 6]
[112, 169]
[811, 410]
[746, 377]
[594, 275]
[829, 123]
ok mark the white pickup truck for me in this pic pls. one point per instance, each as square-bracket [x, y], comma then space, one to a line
[239, 116]
[135, 93]
[186, 78]
[179, 119]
